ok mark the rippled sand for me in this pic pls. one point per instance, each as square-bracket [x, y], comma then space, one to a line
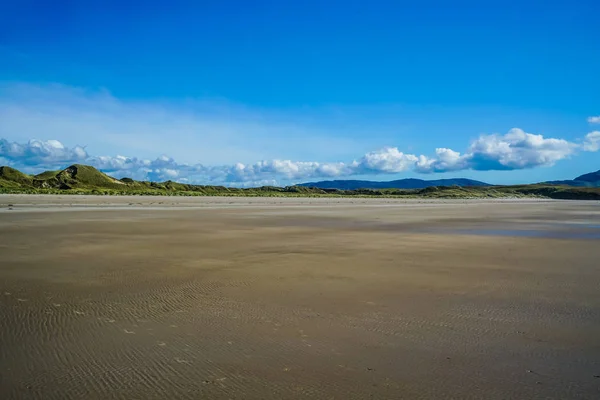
[169, 298]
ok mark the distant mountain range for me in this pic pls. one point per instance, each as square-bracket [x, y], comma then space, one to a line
[588, 180]
[397, 184]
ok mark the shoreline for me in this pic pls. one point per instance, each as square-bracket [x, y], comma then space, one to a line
[44, 202]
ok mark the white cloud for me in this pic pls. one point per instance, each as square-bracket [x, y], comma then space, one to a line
[446, 160]
[41, 153]
[514, 150]
[386, 160]
[592, 141]
[517, 150]
[594, 119]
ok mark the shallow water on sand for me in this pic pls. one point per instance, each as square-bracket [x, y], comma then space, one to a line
[541, 233]
[552, 231]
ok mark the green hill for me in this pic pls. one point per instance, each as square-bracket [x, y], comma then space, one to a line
[10, 177]
[46, 175]
[76, 176]
[85, 176]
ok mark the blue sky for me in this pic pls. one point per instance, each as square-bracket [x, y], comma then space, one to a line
[245, 93]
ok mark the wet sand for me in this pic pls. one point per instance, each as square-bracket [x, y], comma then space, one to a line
[245, 298]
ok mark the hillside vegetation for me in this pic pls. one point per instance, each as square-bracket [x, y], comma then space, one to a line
[84, 179]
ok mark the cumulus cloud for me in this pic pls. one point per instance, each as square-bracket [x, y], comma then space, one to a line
[386, 160]
[41, 153]
[592, 141]
[594, 119]
[161, 169]
[446, 160]
[517, 150]
[513, 150]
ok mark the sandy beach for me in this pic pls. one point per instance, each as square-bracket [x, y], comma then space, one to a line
[294, 298]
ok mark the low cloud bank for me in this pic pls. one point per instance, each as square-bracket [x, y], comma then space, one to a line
[512, 151]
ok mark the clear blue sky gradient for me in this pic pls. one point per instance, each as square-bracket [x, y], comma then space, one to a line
[444, 71]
